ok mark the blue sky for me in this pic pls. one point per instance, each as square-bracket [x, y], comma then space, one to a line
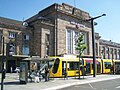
[108, 26]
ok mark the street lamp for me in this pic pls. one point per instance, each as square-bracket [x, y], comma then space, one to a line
[3, 70]
[93, 42]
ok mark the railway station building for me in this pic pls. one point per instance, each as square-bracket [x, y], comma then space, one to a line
[52, 31]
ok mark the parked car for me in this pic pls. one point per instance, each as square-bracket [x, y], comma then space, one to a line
[17, 69]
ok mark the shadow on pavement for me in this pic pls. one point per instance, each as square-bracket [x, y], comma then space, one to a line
[12, 83]
[79, 78]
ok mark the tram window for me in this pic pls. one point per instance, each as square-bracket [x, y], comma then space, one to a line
[98, 64]
[107, 65]
[73, 65]
[81, 62]
[51, 63]
[56, 65]
[117, 63]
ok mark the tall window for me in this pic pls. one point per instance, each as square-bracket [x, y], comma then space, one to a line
[13, 48]
[103, 52]
[0, 35]
[119, 54]
[47, 36]
[69, 41]
[25, 50]
[26, 37]
[107, 52]
[115, 54]
[72, 37]
[76, 35]
[96, 49]
[111, 53]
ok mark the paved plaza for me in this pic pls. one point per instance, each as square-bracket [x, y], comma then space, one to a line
[11, 82]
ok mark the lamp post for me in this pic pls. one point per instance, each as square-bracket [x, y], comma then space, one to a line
[3, 72]
[93, 42]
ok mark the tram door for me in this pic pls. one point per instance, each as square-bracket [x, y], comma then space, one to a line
[88, 71]
[63, 67]
[99, 68]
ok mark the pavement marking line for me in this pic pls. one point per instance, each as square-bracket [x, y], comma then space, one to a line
[83, 87]
[114, 81]
[90, 85]
[118, 87]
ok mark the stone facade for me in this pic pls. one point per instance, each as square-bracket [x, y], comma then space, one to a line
[109, 49]
[52, 32]
[6, 28]
[13, 32]
[63, 17]
[42, 31]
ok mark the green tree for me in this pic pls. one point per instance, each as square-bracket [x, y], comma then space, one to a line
[80, 46]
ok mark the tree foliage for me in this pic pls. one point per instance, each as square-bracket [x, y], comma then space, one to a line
[80, 44]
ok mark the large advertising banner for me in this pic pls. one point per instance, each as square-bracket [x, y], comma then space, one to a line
[23, 72]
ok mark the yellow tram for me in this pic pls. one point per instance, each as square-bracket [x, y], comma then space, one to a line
[64, 64]
[116, 64]
[106, 65]
[59, 65]
[70, 65]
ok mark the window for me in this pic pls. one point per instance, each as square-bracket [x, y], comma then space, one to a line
[26, 37]
[50, 63]
[96, 49]
[25, 50]
[0, 35]
[103, 52]
[111, 53]
[47, 36]
[55, 66]
[76, 36]
[12, 35]
[12, 49]
[119, 54]
[107, 52]
[115, 53]
[117, 67]
[71, 39]
[73, 65]
[107, 65]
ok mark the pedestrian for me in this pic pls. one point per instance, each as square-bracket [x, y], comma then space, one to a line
[33, 67]
[11, 69]
[65, 74]
[46, 74]
[112, 69]
[37, 77]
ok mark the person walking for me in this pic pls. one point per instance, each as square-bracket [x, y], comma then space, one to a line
[112, 69]
[37, 77]
[11, 70]
[46, 74]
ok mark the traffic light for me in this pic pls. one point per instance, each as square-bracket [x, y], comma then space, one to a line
[10, 49]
